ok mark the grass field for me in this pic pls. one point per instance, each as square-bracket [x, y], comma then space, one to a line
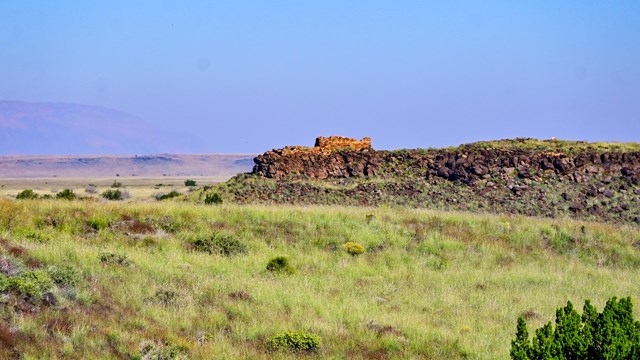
[435, 285]
[139, 188]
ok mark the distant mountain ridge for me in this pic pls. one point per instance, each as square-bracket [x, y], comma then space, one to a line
[21, 167]
[50, 128]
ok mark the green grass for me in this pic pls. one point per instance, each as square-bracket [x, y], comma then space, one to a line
[429, 285]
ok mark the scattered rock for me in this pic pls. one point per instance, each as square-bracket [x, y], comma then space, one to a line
[48, 299]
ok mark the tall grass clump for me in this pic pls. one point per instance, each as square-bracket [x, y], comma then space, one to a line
[219, 243]
[280, 264]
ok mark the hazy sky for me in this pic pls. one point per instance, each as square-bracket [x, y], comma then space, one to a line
[248, 76]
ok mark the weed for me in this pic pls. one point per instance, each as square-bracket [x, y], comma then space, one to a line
[115, 195]
[30, 283]
[114, 259]
[172, 194]
[295, 341]
[213, 198]
[64, 275]
[280, 264]
[353, 248]
[66, 194]
[220, 243]
[157, 350]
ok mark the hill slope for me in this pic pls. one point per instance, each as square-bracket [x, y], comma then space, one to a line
[597, 181]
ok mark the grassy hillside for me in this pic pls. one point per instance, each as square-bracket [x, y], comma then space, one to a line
[429, 285]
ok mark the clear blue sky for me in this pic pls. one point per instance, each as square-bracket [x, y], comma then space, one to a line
[253, 75]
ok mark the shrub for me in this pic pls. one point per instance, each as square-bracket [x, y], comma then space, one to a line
[114, 259]
[612, 334]
[295, 341]
[220, 243]
[115, 195]
[27, 194]
[213, 198]
[170, 195]
[91, 189]
[280, 264]
[353, 248]
[64, 275]
[31, 283]
[66, 194]
[116, 184]
[190, 182]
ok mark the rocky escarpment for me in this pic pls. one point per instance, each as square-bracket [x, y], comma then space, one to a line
[467, 164]
[595, 181]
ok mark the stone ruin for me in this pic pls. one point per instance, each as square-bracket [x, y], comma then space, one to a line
[339, 143]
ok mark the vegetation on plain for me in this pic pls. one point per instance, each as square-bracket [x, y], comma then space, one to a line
[132, 280]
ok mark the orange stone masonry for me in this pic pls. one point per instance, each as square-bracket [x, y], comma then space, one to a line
[339, 142]
[328, 145]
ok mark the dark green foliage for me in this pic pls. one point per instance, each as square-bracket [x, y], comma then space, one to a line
[213, 198]
[521, 346]
[114, 195]
[280, 264]
[116, 184]
[295, 341]
[114, 259]
[64, 275]
[612, 334]
[190, 182]
[169, 195]
[220, 243]
[27, 194]
[66, 194]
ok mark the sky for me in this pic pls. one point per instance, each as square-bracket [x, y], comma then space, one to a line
[249, 76]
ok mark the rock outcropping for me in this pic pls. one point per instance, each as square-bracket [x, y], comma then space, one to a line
[337, 157]
[591, 181]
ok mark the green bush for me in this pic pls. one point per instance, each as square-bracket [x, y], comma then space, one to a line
[295, 341]
[170, 195]
[64, 275]
[280, 264]
[612, 334]
[213, 198]
[220, 243]
[190, 182]
[116, 184]
[353, 248]
[66, 194]
[31, 283]
[27, 194]
[114, 195]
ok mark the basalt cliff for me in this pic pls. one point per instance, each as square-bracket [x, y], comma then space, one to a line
[593, 181]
